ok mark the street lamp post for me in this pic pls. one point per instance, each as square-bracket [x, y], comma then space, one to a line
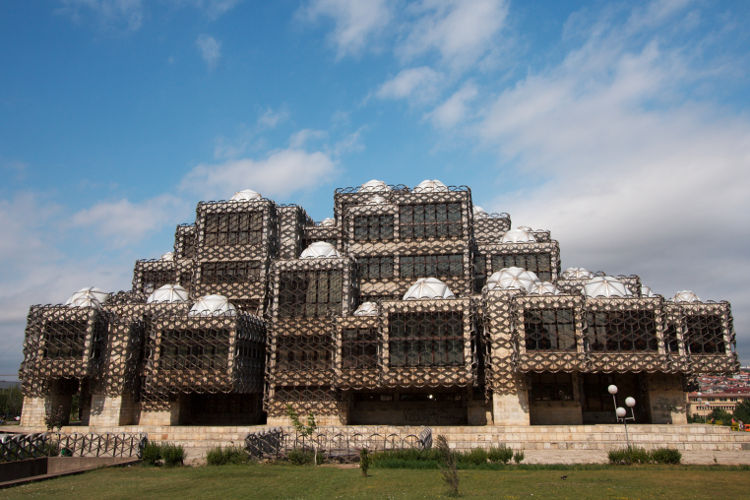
[620, 412]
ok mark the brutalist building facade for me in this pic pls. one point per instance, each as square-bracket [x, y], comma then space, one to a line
[410, 306]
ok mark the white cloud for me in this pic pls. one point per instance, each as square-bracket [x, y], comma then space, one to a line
[109, 14]
[36, 271]
[210, 50]
[300, 139]
[455, 108]
[461, 31]
[279, 174]
[213, 8]
[272, 118]
[355, 23]
[123, 222]
[419, 83]
[638, 177]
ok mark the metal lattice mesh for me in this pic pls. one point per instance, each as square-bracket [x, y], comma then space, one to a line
[317, 352]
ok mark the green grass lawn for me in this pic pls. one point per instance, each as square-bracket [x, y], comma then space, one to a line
[288, 481]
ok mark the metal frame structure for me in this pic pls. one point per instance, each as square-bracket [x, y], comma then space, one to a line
[298, 337]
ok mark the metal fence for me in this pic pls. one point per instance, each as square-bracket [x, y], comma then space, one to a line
[22, 446]
[335, 441]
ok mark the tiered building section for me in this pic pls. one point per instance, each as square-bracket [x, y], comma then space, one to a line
[409, 306]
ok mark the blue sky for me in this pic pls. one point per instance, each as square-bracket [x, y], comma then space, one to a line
[622, 127]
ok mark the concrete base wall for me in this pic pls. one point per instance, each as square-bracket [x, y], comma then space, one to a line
[320, 420]
[556, 413]
[162, 417]
[666, 399]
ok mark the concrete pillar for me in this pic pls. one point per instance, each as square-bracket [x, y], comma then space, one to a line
[511, 408]
[33, 412]
[666, 399]
[112, 410]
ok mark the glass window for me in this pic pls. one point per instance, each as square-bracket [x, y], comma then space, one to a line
[310, 293]
[705, 334]
[423, 266]
[426, 339]
[194, 349]
[433, 220]
[550, 330]
[375, 268]
[230, 272]
[236, 228]
[359, 348]
[611, 331]
[538, 263]
[373, 227]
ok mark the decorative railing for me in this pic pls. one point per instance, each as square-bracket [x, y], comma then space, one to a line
[335, 441]
[22, 446]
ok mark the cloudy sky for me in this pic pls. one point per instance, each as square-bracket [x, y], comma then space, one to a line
[622, 127]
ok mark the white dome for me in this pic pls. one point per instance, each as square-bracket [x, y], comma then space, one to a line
[480, 213]
[512, 278]
[647, 292]
[605, 286]
[517, 236]
[328, 222]
[572, 273]
[430, 186]
[367, 309]
[246, 195]
[319, 250]
[167, 256]
[376, 200]
[212, 305]
[544, 288]
[686, 296]
[168, 293]
[428, 288]
[87, 297]
[373, 186]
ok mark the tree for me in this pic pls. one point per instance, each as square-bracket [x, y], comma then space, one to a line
[719, 415]
[11, 401]
[448, 466]
[742, 411]
[304, 430]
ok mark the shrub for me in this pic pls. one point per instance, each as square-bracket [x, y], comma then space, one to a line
[173, 454]
[151, 454]
[501, 454]
[477, 456]
[364, 461]
[629, 456]
[518, 456]
[405, 459]
[300, 456]
[666, 456]
[229, 455]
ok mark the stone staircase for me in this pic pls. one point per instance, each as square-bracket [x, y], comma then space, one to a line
[693, 437]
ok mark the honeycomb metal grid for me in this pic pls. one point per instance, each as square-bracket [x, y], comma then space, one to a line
[150, 274]
[552, 248]
[266, 247]
[62, 343]
[184, 241]
[237, 342]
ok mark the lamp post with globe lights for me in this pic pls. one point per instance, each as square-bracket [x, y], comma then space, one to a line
[620, 412]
